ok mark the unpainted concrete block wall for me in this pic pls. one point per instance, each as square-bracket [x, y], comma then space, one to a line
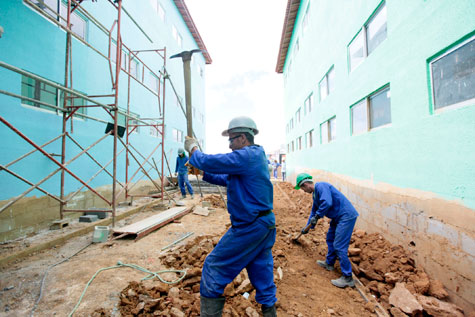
[440, 233]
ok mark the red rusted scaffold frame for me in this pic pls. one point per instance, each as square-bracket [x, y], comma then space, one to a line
[68, 109]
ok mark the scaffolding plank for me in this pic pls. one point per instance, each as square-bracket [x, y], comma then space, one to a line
[150, 224]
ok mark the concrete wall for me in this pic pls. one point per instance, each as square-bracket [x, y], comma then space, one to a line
[439, 233]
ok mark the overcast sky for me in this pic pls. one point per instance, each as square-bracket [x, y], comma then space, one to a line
[243, 40]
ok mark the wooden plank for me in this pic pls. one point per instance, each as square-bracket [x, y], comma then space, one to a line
[152, 222]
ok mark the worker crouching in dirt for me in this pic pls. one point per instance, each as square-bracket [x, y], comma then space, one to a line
[248, 242]
[329, 202]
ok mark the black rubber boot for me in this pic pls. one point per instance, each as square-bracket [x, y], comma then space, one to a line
[269, 311]
[212, 307]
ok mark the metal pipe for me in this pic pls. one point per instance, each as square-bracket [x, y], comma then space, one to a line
[33, 151]
[29, 190]
[93, 176]
[2, 167]
[49, 156]
[92, 157]
[116, 103]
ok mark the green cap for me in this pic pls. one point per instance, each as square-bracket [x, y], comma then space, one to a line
[302, 178]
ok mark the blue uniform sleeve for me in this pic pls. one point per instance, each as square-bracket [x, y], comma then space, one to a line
[322, 201]
[236, 162]
[216, 179]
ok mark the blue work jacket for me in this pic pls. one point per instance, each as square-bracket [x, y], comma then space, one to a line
[180, 165]
[329, 202]
[244, 172]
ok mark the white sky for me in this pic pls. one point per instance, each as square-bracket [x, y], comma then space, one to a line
[243, 40]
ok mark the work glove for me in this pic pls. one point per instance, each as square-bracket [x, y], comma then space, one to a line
[190, 143]
[314, 221]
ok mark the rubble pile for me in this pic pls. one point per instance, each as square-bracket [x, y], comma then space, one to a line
[214, 200]
[379, 265]
[385, 269]
[183, 299]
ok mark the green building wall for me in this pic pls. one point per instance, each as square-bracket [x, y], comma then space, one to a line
[423, 162]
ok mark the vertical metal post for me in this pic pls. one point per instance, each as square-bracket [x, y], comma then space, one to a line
[65, 117]
[189, 114]
[116, 101]
[163, 116]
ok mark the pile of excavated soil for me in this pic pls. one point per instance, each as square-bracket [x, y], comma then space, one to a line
[215, 200]
[378, 264]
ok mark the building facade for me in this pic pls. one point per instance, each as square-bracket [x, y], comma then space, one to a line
[380, 101]
[34, 41]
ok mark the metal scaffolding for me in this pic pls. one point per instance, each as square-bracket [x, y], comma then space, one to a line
[69, 108]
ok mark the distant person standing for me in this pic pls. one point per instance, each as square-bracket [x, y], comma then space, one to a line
[182, 171]
[276, 168]
[282, 170]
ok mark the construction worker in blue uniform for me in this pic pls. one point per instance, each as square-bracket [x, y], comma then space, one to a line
[331, 203]
[248, 242]
[182, 171]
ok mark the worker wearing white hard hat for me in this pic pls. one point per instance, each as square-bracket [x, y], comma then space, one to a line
[248, 243]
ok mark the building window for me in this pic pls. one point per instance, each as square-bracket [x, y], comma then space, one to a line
[453, 76]
[43, 92]
[293, 146]
[177, 135]
[161, 11]
[369, 37]
[308, 104]
[372, 112]
[291, 124]
[177, 36]
[328, 130]
[134, 68]
[78, 23]
[154, 131]
[305, 20]
[152, 81]
[288, 147]
[297, 46]
[327, 84]
[309, 139]
[113, 55]
[135, 123]
[299, 143]
[297, 116]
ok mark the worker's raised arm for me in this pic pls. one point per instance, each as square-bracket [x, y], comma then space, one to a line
[216, 179]
[236, 162]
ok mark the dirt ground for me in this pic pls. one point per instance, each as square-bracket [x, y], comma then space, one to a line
[303, 289]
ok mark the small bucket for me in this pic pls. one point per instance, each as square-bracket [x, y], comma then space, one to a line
[101, 234]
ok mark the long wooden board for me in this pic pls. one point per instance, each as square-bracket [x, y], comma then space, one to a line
[150, 224]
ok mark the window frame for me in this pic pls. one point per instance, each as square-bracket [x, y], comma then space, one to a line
[465, 40]
[363, 32]
[368, 113]
[58, 98]
[327, 125]
[327, 83]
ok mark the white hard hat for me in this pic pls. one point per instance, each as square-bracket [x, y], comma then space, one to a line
[181, 151]
[241, 124]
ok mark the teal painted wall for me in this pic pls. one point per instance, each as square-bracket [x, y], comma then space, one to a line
[33, 43]
[420, 149]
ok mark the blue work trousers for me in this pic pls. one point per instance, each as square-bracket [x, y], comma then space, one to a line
[250, 247]
[338, 240]
[182, 180]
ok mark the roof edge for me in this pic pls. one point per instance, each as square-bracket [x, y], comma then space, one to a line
[287, 31]
[183, 9]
